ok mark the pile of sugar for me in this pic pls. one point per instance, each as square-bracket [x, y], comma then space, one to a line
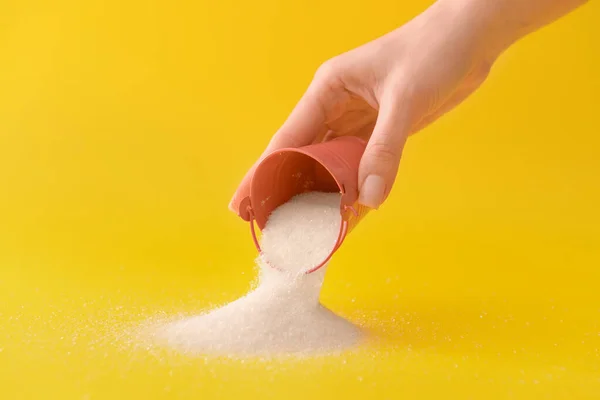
[283, 314]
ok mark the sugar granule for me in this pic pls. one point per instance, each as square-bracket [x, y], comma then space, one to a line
[283, 314]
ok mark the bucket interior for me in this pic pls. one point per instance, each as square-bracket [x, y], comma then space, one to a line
[283, 175]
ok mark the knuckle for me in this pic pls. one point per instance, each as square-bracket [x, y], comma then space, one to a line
[383, 155]
[329, 71]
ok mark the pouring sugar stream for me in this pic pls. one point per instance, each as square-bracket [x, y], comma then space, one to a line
[305, 202]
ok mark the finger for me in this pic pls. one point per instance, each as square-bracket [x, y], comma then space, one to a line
[305, 123]
[379, 163]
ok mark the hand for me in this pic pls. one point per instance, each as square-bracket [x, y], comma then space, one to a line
[397, 84]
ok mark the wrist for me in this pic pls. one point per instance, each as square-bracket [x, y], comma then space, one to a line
[499, 23]
[488, 24]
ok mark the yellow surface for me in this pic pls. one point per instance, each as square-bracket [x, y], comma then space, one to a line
[126, 125]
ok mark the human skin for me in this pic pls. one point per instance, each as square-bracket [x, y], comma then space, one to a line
[394, 86]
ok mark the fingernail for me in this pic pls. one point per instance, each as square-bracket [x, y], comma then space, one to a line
[230, 206]
[372, 191]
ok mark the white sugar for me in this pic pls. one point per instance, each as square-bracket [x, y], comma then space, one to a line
[283, 314]
[301, 233]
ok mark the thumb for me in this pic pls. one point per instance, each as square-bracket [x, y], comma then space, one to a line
[379, 163]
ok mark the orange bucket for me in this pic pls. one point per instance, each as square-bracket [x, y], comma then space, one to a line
[324, 167]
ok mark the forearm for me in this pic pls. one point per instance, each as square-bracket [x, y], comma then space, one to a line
[500, 23]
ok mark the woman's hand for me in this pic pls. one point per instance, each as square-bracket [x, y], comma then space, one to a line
[397, 84]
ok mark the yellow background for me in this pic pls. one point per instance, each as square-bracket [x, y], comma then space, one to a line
[125, 127]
